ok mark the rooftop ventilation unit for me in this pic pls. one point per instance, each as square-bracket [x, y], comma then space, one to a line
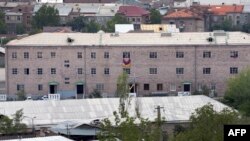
[219, 33]
[166, 34]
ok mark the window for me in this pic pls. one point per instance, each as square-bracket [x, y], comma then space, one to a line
[18, 18]
[20, 87]
[14, 55]
[66, 82]
[146, 87]
[26, 71]
[126, 54]
[106, 71]
[153, 55]
[179, 54]
[179, 70]
[14, 71]
[233, 70]
[66, 78]
[53, 54]
[39, 55]
[53, 70]
[234, 54]
[26, 55]
[100, 86]
[152, 70]
[39, 71]
[79, 54]
[172, 87]
[106, 55]
[93, 55]
[159, 87]
[79, 71]
[127, 70]
[40, 87]
[66, 63]
[206, 70]
[93, 70]
[206, 54]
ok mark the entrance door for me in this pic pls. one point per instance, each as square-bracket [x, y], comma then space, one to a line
[79, 89]
[132, 88]
[52, 89]
[187, 87]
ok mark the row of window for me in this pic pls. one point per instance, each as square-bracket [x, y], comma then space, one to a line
[179, 54]
[233, 70]
[99, 86]
[146, 87]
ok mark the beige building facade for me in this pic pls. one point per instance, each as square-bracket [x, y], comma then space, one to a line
[74, 64]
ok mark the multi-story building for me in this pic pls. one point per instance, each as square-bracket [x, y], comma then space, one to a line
[186, 20]
[19, 18]
[134, 15]
[77, 63]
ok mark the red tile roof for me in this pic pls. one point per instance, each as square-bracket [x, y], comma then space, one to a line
[183, 13]
[224, 9]
[131, 11]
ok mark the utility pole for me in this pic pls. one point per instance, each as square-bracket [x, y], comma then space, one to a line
[158, 108]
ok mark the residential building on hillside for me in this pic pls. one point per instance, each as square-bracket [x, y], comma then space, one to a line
[186, 20]
[217, 14]
[19, 17]
[77, 63]
[135, 15]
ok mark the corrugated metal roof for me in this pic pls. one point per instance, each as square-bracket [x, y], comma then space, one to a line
[87, 110]
[50, 138]
[131, 39]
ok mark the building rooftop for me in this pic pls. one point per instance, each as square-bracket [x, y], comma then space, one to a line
[183, 13]
[133, 39]
[132, 11]
[176, 109]
[50, 138]
[224, 9]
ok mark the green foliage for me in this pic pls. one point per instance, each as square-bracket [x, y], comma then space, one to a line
[78, 24]
[12, 126]
[155, 17]
[21, 95]
[20, 29]
[178, 129]
[226, 25]
[207, 124]
[46, 16]
[95, 94]
[92, 27]
[2, 23]
[117, 19]
[125, 127]
[238, 92]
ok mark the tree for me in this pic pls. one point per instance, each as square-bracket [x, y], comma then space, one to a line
[237, 94]
[155, 17]
[207, 124]
[117, 19]
[92, 27]
[225, 25]
[126, 127]
[14, 125]
[2, 23]
[20, 29]
[46, 16]
[78, 24]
